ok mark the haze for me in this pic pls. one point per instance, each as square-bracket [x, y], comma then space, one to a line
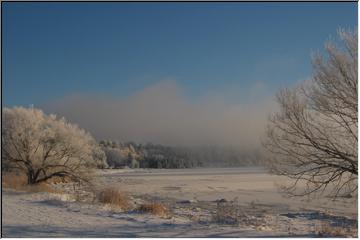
[161, 113]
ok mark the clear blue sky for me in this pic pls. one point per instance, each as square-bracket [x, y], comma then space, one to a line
[51, 50]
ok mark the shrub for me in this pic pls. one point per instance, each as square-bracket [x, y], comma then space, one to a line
[114, 197]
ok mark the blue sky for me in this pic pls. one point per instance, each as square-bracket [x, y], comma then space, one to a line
[52, 50]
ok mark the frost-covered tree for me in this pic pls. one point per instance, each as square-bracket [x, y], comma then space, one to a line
[44, 146]
[314, 137]
[100, 157]
[114, 157]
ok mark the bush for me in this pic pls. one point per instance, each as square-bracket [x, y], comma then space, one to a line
[114, 197]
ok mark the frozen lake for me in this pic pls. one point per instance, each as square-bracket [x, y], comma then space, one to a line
[264, 211]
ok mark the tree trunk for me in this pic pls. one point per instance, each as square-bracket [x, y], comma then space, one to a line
[31, 177]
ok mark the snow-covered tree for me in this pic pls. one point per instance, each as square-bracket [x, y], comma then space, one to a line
[99, 157]
[114, 157]
[44, 146]
[314, 137]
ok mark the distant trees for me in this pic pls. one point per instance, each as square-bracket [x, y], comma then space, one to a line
[43, 146]
[115, 158]
[100, 158]
[118, 155]
[313, 138]
[149, 155]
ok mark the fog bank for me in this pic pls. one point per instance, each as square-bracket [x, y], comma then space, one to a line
[162, 114]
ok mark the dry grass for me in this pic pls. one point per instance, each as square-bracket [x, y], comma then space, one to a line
[13, 180]
[114, 197]
[158, 209]
[231, 213]
[18, 181]
[39, 187]
[327, 230]
[226, 213]
[57, 180]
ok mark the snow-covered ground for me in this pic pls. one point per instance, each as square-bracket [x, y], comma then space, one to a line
[192, 195]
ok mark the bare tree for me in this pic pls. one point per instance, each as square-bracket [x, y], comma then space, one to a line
[43, 146]
[313, 138]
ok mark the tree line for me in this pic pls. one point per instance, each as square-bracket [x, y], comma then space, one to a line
[137, 155]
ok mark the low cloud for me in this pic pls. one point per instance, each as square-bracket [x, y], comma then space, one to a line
[162, 114]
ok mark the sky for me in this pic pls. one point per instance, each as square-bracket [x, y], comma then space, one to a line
[150, 64]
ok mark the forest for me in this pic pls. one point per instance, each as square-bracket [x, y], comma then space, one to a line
[137, 155]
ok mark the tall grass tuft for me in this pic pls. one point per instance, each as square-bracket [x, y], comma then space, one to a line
[114, 197]
[158, 209]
